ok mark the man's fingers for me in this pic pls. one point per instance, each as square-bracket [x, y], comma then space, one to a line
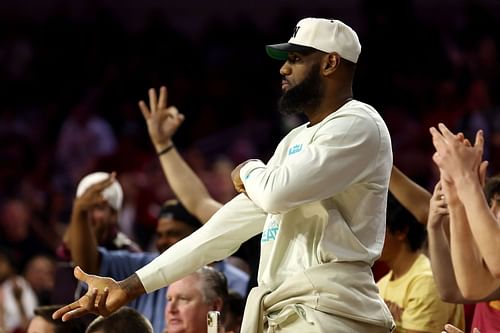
[447, 134]
[162, 101]
[437, 189]
[92, 296]
[74, 314]
[482, 172]
[144, 110]
[442, 207]
[152, 100]
[437, 159]
[479, 138]
[100, 186]
[80, 274]
[437, 139]
[65, 309]
[102, 301]
[174, 113]
[479, 142]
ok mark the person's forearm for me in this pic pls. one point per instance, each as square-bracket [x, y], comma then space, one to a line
[187, 186]
[411, 195]
[483, 224]
[473, 278]
[442, 267]
[239, 220]
[82, 242]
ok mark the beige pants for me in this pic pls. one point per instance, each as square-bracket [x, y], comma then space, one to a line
[319, 322]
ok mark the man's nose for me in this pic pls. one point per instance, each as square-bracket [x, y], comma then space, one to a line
[285, 69]
[172, 306]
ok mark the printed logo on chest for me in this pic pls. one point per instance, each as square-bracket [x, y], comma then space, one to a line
[270, 233]
[295, 149]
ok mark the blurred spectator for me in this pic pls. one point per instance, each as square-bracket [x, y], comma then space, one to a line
[17, 236]
[101, 212]
[85, 137]
[189, 300]
[40, 274]
[174, 224]
[486, 314]
[409, 288]
[17, 299]
[42, 322]
[124, 320]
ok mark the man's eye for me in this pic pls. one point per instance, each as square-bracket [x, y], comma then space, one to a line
[293, 59]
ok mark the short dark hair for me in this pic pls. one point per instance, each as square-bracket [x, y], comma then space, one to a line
[174, 209]
[492, 187]
[399, 219]
[71, 326]
[125, 319]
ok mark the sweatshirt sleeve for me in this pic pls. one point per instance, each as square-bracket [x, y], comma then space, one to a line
[237, 221]
[343, 151]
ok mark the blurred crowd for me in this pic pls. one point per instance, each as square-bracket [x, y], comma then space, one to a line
[69, 92]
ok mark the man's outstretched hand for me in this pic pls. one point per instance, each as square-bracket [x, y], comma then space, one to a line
[103, 297]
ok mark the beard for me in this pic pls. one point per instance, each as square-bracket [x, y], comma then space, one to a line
[306, 95]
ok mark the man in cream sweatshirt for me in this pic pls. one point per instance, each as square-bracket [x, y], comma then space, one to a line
[319, 202]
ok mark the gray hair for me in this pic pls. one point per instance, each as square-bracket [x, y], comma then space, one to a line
[213, 284]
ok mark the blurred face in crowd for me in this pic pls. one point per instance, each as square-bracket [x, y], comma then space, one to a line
[40, 325]
[186, 311]
[40, 273]
[15, 219]
[169, 231]
[5, 268]
[104, 221]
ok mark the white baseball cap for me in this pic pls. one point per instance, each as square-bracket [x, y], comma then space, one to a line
[319, 34]
[113, 194]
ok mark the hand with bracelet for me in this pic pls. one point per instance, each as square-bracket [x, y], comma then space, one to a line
[162, 121]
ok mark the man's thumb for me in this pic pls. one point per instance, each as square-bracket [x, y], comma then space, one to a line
[80, 274]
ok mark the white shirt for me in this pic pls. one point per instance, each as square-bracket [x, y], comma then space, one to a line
[320, 199]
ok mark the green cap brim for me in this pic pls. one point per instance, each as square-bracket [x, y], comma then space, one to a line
[280, 51]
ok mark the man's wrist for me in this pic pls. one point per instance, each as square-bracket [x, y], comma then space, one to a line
[79, 209]
[466, 180]
[467, 184]
[163, 148]
[132, 286]
[434, 223]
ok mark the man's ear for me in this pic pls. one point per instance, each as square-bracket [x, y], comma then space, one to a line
[330, 63]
